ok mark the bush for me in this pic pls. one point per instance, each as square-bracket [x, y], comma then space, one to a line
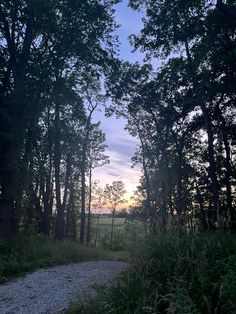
[187, 274]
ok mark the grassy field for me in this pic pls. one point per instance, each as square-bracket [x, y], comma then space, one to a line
[30, 252]
[26, 254]
[101, 232]
[125, 232]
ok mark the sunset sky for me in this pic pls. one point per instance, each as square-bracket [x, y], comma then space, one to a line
[121, 146]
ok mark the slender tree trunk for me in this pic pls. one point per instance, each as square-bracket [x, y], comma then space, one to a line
[212, 165]
[96, 234]
[228, 173]
[68, 175]
[83, 176]
[89, 206]
[112, 228]
[163, 206]
[179, 190]
[48, 194]
[148, 211]
[201, 206]
[70, 214]
[47, 203]
[83, 203]
[57, 160]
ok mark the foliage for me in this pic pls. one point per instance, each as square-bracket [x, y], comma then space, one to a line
[53, 55]
[114, 194]
[182, 113]
[175, 274]
[30, 252]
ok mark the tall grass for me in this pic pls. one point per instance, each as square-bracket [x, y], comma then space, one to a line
[170, 274]
[27, 253]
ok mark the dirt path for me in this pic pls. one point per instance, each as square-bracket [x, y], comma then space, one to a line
[52, 290]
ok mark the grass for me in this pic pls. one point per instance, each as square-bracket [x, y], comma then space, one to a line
[28, 253]
[174, 275]
[107, 221]
[126, 233]
[104, 232]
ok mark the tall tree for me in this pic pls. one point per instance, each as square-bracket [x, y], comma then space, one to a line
[42, 42]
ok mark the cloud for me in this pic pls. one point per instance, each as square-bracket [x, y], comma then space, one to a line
[112, 174]
[121, 146]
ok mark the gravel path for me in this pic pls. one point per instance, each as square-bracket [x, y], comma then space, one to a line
[52, 290]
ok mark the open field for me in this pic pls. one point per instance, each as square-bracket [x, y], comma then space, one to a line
[30, 252]
[125, 232]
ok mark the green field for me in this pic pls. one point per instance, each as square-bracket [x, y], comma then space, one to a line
[106, 221]
[125, 232]
[101, 231]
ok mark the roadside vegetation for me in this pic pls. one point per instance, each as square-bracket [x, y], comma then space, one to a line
[29, 252]
[174, 274]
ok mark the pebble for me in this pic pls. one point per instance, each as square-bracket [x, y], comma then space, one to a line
[53, 290]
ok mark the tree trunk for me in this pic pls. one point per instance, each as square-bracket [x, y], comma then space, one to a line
[83, 204]
[112, 228]
[201, 206]
[70, 214]
[48, 194]
[12, 144]
[68, 175]
[47, 201]
[89, 206]
[57, 160]
[96, 234]
[147, 181]
[83, 175]
[212, 165]
[211, 158]
[228, 173]
[10, 174]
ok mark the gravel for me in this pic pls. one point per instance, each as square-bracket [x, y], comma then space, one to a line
[53, 290]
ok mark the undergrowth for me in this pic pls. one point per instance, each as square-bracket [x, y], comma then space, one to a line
[174, 275]
[27, 253]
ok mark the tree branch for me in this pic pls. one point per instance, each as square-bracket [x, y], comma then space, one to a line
[227, 10]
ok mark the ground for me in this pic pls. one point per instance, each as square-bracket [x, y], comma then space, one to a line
[53, 290]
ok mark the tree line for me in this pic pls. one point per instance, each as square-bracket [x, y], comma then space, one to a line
[53, 55]
[183, 113]
[59, 64]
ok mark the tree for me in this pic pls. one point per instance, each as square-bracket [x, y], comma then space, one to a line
[176, 105]
[43, 43]
[92, 147]
[114, 194]
[96, 158]
[98, 203]
[228, 10]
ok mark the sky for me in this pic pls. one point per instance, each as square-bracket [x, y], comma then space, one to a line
[121, 146]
